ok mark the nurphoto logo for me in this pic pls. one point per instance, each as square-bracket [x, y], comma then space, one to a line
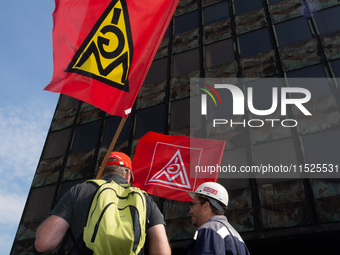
[243, 103]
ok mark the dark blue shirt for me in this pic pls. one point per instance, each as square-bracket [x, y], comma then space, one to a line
[217, 237]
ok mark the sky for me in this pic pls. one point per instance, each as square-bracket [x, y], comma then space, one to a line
[26, 110]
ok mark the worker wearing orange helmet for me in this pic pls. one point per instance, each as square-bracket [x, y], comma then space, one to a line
[72, 210]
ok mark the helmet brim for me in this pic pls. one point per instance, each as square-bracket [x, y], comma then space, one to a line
[192, 194]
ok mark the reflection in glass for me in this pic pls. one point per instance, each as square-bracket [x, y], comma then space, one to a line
[185, 62]
[56, 143]
[216, 12]
[111, 125]
[328, 20]
[86, 137]
[186, 22]
[219, 53]
[150, 119]
[157, 71]
[323, 147]
[243, 6]
[255, 42]
[293, 31]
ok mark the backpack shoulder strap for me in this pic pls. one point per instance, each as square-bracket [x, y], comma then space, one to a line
[230, 234]
[98, 182]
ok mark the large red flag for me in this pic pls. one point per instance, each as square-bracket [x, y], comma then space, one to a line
[103, 49]
[171, 165]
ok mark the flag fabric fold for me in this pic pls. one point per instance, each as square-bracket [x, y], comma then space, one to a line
[171, 165]
[102, 50]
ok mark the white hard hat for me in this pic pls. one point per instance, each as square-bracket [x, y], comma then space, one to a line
[212, 190]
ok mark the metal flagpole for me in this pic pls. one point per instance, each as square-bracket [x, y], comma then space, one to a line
[112, 145]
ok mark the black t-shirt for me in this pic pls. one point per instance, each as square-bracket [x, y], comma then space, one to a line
[75, 205]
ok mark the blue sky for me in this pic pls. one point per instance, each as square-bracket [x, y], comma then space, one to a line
[26, 67]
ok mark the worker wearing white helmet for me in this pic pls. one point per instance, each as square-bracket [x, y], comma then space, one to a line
[214, 235]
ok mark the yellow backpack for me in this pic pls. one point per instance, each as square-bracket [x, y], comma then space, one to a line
[116, 220]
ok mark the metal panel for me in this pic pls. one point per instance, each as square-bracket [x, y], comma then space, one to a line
[47, 172]
[325, 187]
[250, 21]
[210, 2]
[180, 86]
[284, 192]
[175, 209]
[180, 229]
[259, 65]
[25, 247]
[63, 118]
[285, 10]
[286, 215]
[325, 115]
[300, 55]
[328, 3]
[186, 41]
[151, 94]
[79, 165]
[162, 49]
[27, 231]
[88, 113]
[242, 220]
[217, 31]
[228, 70]
[185, 6]
[328, 209]
[332, 46]
[239, 199]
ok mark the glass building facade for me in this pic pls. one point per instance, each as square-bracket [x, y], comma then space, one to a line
[220, 39]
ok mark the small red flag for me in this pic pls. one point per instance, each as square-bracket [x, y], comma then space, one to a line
[102, 50]
[171, 165]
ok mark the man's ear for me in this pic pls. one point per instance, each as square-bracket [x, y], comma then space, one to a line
[128, 175]
[206, 205]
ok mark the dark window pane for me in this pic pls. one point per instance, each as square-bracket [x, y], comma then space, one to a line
[56, 143]
[216, 12]
[328, 20]
[185, 62]
[293, 31]
[237, 158]
[180, 114]
[219, 53]
[167, 32]
[186, 22]
[157, 71]
[317, 87]
[255, 42]
[322, 148]
[275, 153]
[336, 68]
[275, 1]
[39, 204]
[111, 125]
[67, 185]
[243, 6]
[86, 137]
[150, 119]
[66, 101]
[308, 72]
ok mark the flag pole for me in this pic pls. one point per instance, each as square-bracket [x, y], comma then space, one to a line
[112, 145]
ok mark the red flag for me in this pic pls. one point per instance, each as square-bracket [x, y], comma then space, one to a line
[171, 165]
[103, 49]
